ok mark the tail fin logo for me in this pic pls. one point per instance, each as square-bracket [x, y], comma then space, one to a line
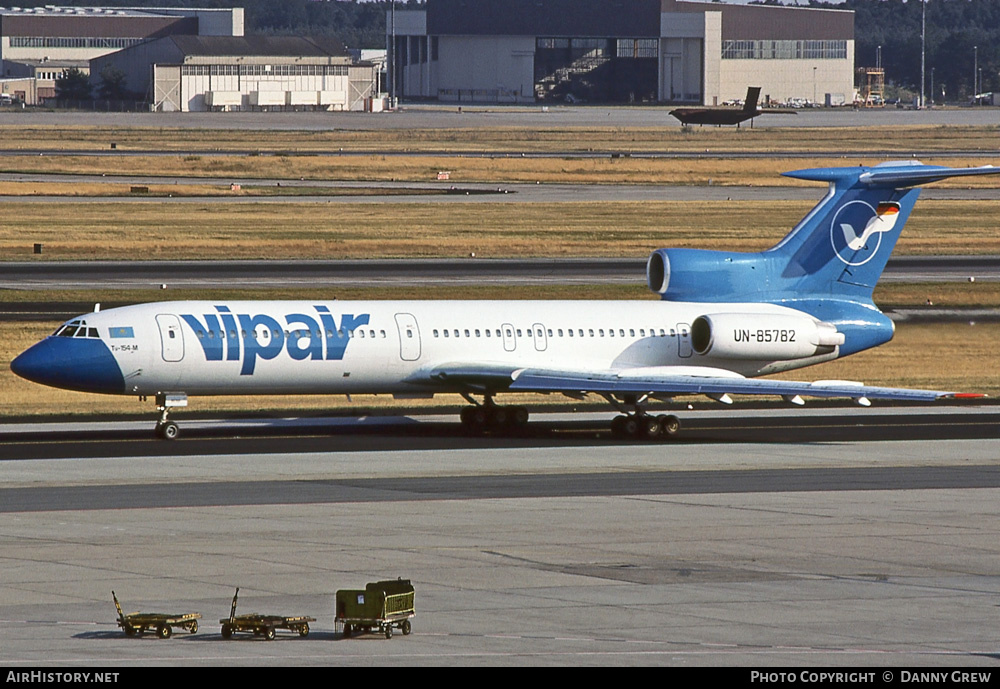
[853, 247]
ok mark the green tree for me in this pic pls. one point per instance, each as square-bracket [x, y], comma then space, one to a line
[73, 85]
[112, 86]
[962, 38]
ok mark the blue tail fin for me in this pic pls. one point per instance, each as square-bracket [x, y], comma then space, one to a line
[838, 250]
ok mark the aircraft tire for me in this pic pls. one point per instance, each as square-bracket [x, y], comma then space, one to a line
[167, 431]
[650, 427]
[670, 425]
[618, 426]
[499, 416]
[630, 427]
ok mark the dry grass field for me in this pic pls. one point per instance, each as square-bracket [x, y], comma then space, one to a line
[482, 167]
[937, 356]
[476, 140]
[191, 230]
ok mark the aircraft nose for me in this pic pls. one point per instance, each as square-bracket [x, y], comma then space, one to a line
[80, 364]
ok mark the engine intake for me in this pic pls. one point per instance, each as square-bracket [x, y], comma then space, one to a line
[770, 337]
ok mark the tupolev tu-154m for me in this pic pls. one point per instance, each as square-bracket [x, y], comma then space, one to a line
[724, 319]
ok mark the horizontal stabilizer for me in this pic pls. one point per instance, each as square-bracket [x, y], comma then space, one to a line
[899, 175]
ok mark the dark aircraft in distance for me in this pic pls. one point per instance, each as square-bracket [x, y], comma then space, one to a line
[724, 114]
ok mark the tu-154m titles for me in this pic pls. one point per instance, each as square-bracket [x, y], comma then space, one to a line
[724, 319]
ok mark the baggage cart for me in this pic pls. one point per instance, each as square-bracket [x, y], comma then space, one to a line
[381, 606]
[136, 623]
[262, 625]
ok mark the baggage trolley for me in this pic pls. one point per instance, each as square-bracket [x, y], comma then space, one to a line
[136, 623]
[381, 606]
[262, 625]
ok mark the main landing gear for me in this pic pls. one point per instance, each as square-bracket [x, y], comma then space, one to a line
[635, 423]
[642, 426]
[492, 417]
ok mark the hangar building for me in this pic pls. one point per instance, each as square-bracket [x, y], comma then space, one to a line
[197, 73]
[672, 51]
[43, 42]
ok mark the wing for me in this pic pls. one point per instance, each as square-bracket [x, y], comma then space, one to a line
[666, 381]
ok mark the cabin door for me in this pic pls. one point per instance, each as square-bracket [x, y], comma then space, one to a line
[409, 337]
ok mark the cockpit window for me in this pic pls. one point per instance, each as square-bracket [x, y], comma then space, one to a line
[76, 329]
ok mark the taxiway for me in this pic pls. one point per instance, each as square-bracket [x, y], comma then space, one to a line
[840, 544]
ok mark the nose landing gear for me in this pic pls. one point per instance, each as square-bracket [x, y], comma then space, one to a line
[166, 429]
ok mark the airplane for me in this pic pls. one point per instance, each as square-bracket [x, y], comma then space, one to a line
[724, 114]
[723, 320]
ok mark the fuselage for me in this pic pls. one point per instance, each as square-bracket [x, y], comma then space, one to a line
[338, 347]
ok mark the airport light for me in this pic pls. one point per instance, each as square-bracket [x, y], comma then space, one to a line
[923, 42]
[975, 70]
[392, 54]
